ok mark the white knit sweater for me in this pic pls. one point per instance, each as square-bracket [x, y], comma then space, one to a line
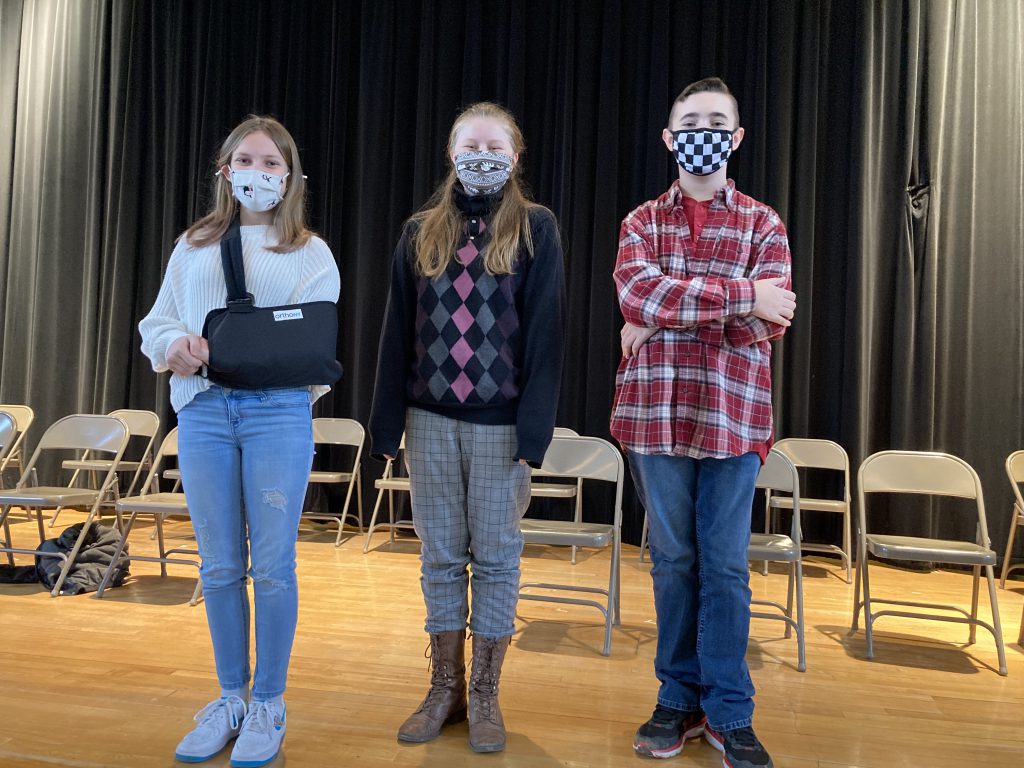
[194, 285]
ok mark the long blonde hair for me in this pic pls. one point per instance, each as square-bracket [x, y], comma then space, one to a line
[290, 213]
[441, 223]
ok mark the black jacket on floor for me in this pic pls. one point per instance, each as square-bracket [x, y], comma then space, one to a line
[86, 574]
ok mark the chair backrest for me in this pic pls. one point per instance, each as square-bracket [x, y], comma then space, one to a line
[920, 472]
[80, 432]
[169, 447]
[327, 431]
[140, 423]
[8, 429]
[935, 474]
[565, 432]
[23, 417]
[1015, 471]
[83, 432]
[587, 458]
[778, 473]
[814, 453]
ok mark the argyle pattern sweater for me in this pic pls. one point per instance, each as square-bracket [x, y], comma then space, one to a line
[470, 345]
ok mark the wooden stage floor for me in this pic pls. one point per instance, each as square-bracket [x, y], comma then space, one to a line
[114, 682]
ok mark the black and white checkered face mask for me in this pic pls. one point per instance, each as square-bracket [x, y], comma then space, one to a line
[483, 173]
[702, 151]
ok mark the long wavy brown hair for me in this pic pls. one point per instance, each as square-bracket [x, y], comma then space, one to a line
[290, 213]
[441, 223]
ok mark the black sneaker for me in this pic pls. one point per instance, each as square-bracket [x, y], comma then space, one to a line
[740, 748]
[666, 732]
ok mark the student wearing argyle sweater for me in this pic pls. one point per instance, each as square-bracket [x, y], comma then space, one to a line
[703, 283]
[469, 369]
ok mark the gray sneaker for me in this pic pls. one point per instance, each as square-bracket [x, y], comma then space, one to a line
[219, 722]
[260, 739]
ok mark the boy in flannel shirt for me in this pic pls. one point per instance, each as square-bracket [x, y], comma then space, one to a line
[703, 283]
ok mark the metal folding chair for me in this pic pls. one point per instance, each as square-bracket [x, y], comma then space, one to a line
[779, 475]
[1015, 471]
[160, 506]
[389, 483]
[104, 434]
[141, 424]
[582, 458]
[935, 474]
[343, 432]
[814, 454]
[549, 490]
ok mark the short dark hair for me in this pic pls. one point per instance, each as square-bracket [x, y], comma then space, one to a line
[708, 84]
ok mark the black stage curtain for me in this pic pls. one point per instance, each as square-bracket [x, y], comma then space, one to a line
[888, 136]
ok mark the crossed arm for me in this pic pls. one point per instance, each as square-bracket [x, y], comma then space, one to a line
[741, 311]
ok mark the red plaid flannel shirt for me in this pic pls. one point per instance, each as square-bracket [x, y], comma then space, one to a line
[701, 385]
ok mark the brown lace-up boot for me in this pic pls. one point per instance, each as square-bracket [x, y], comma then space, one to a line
[446, 700]
[486, 725]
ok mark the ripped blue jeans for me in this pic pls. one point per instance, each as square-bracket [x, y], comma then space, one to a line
[245, 457]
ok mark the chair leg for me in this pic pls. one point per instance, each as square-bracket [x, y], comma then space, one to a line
[359, 500]
[7, 533]
[789, 598]
[198, 591]
[617, 554]
[391, 515]
[577, 514]
[160, 539]
[800, 643]
[612, 610]
[643, 539]
[868, 618]
[373, 521]
[862, 561]
[768, 529]
[847, 548]
[1009, 549]
[73, 555]
[973, 631]
[117, 553]
[53, 519]
[997, 624]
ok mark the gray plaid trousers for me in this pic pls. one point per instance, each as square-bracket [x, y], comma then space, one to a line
[468, 496]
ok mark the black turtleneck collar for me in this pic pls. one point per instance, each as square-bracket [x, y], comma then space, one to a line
[475, 205]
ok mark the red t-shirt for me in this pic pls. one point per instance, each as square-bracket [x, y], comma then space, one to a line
[696, 214]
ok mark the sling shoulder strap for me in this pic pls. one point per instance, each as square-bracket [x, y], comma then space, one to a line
[234, 269]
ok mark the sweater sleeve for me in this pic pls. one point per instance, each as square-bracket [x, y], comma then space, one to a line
[164, 325]
[387, 414]
[543, 331]
[319, 280]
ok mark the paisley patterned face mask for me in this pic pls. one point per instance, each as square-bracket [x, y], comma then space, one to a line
[483, 173]
[702, 151]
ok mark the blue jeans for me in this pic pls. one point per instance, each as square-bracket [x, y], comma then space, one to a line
[245, 457]
[698, 514]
